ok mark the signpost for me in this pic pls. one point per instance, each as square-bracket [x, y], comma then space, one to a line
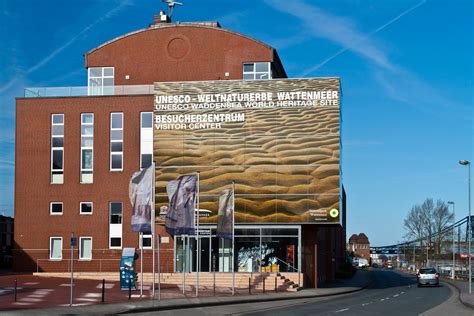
[73, 243]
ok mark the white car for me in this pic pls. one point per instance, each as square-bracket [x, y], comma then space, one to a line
[427, 276]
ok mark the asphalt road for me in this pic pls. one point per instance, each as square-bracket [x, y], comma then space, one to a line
[391, 293]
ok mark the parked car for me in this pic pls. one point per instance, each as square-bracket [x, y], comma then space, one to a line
[427, 276]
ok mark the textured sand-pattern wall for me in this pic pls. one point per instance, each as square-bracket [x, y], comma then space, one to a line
[285, 161]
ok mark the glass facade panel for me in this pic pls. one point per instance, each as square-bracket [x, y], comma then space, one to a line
[147, 120]
[115, 213]
[57, 159]
[115, 242]
[116, 161]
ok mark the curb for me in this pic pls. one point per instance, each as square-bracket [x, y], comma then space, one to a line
[467, 304]
[242, 301]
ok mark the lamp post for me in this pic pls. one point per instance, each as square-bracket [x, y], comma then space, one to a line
[454, 247]
[468, 164]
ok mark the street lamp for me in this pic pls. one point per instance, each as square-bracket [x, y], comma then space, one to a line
[454, 247]
[468, 164]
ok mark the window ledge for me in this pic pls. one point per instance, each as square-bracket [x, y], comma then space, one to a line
[87, 214]
[85, 259]
[56, 214]
[59, 259]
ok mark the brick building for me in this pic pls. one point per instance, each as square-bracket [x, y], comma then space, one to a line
[76, 148]
[359, 245]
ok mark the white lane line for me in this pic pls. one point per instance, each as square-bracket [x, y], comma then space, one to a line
[342, 310]
[84, 299]
[365, 304]
[382, 299]
[387, 298]
[402, 292]
[107, 286]
[90, 295]
[67, 284]
[22, 303]
[29, 300]
[396, 295]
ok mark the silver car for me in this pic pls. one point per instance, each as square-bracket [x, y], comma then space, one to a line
[427, 276]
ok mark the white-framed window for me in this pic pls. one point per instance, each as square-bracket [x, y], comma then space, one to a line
[86, 208]
[100, 80]
[87, 147]
[85, 248]
[145, 242]
[257, 71]
[115, 224]
[55, 208]
[116, 141]
[146, 139]
[57, 148]
[55, 248]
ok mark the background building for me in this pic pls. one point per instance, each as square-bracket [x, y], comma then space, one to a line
[76, 148]
[359, 245]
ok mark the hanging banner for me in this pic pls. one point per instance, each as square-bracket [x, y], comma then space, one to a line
[141, 197]
[226, 213]
[180, 213]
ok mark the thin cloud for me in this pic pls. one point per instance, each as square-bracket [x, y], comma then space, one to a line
[73, 39]
[364, 38]
[334, 28]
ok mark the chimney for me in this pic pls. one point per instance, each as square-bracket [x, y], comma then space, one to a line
[162, 17]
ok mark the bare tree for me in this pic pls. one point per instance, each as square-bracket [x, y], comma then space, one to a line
[427, 222]
[442, 218]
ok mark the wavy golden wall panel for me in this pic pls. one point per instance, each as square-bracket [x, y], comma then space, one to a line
[282, 148]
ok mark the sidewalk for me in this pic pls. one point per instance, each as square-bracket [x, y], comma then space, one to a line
[361, 280]
[463, 288]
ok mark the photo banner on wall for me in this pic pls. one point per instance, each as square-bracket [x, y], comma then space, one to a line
[278, 139]
[226, 209]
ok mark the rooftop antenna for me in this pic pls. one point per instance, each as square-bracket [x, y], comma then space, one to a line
[171, 5]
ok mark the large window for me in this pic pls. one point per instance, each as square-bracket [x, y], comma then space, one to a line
[57, 148]
[85, 248]
[56, 208]
[87, 147]
[146, 139]
[115, 224]
[55, 248]
[101, 80]
[257, 71]
[116, 141]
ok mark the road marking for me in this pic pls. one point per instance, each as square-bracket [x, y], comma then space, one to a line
[29, 300]
[402, 292]
[365, 304]
[387, 298]
[67, 284]
[89, 295]
[382, 299]
[30, 283]
[107, 286]
[84, 299]
[342, 310]
[396, 295]
[22, 303]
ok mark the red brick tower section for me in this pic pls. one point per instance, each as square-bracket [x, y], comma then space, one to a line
[165, 52]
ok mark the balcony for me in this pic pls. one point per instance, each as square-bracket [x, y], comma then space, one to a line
[47, 92]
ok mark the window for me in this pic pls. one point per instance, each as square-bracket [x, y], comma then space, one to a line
[101, 81]
[115, 213]
[115, 242]
[86, 208]
[115, 224]
[146, 139]
[57, 148]
[85, 248]
[87, 147]
[56, 208]
[55, 248]
[257, 71]
[116, 141]
[146, 242]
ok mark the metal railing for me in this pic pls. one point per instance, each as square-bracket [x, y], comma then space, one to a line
[94, 265]
[44, 92]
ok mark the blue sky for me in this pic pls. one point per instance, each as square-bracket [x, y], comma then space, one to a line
[406, 68]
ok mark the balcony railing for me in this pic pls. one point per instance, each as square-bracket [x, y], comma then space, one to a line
[44, 92]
